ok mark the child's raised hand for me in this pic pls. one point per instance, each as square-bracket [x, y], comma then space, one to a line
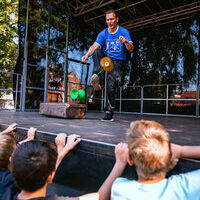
[121, 153]
[60, 141]
[176, 154]
[11, 128]
[31, 133]
[72, 141]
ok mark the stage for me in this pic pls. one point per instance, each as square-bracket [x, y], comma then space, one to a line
[184, 131]
[86, 167]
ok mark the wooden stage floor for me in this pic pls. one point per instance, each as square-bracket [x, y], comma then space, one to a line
[185, 131]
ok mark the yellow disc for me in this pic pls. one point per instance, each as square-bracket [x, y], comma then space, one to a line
[107, 64]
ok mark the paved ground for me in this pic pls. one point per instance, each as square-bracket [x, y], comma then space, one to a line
[185, 131]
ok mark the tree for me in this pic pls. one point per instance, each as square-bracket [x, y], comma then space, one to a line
[8, 39]
[8, 34]
[159, 52]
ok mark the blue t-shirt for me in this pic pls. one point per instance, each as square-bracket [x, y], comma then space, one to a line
[7, 184]
[178, 187]
[112, 47]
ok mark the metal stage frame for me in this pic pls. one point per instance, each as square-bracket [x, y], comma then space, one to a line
[135, 15]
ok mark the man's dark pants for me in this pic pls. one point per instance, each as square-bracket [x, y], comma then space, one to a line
[114, 79]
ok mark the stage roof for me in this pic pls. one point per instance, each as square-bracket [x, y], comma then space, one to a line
[134, 14]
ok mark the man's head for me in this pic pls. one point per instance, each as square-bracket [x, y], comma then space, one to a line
[111, 19]
[149, 149]
[32, 164]
[7, 146]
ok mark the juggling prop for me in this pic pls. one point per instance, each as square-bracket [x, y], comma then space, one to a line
[77, 94]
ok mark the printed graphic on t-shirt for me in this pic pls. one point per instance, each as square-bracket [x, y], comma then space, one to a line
[113, 45]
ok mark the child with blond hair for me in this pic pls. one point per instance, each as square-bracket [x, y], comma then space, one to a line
[150, 150]
[148, 147]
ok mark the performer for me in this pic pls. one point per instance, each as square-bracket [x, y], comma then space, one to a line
[114, 41]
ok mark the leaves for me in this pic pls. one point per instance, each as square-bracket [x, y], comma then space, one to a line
[8, 34]
[8, 40]
[166, 54]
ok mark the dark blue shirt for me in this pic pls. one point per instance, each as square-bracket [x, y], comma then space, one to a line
[7, 183]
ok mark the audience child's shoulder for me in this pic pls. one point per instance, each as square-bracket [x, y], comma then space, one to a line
[193, 175]
[189, 180]
[5, 177]
[121, 180]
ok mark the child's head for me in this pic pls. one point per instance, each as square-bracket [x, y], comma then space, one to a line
[149, 149]
[32, 163]
[7, 146]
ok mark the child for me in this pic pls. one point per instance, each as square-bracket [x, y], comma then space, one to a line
[34, 163]
[7, 146]
[149, 149]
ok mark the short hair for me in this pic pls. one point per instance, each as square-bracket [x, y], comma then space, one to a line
[31, 164]
[150, 149]
[111, 11]
[7, 146]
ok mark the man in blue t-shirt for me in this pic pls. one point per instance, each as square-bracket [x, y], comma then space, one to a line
[114, 41]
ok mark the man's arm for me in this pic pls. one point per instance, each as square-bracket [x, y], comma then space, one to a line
[90, 52]
[121, 155]
[129, 45]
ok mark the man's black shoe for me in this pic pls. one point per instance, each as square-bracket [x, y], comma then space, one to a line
[107, 118]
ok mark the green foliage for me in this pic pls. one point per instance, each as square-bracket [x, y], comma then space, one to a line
[8, 27]
[8, 35]
[165, 54]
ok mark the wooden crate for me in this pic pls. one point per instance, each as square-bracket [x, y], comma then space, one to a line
[64, 110]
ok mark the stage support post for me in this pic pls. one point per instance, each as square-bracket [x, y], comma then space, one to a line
[167, 100]
[46, 83]
[25, 61]
[198, 85]
[198, 71]
[66, 64]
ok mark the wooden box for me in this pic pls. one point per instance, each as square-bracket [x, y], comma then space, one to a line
[64, 110]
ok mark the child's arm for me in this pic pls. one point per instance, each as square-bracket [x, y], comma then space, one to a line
[72, 141]
[10, 128]
[121, 155]
[30, 135]
[60, 141]
[185, 151]
[179, 151]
